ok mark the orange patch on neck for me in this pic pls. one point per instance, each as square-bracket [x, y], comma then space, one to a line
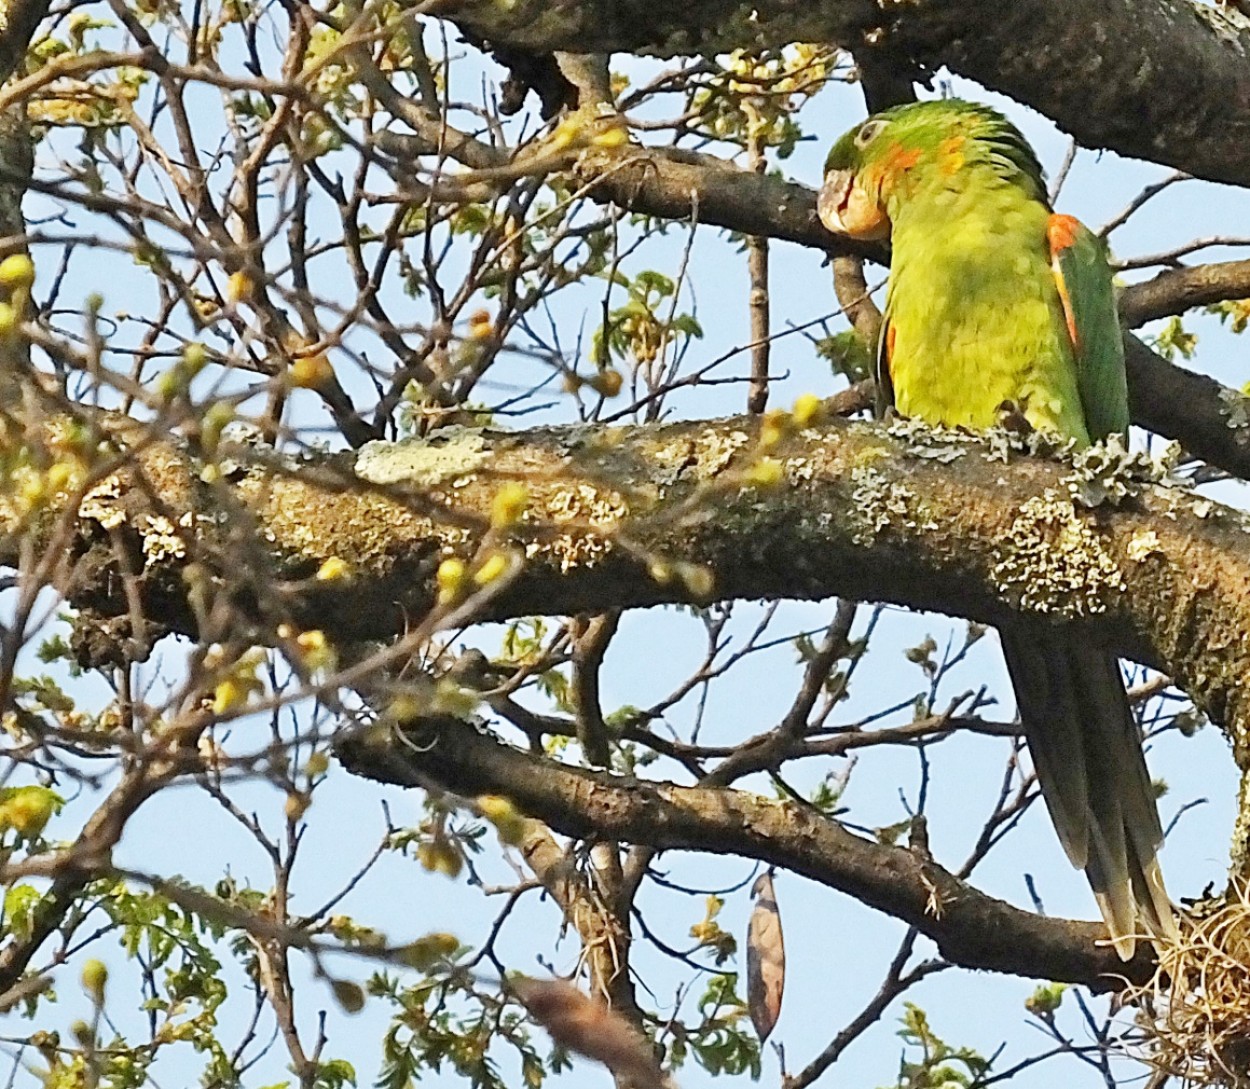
[895, 164]
[951, 155]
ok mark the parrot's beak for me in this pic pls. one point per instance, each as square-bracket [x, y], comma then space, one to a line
[845, 208]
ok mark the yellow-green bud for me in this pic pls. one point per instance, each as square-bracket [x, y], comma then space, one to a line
[94, 977]
[349, 995]
[17, 271]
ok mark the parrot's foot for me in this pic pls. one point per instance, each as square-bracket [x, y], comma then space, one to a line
[1011, 417]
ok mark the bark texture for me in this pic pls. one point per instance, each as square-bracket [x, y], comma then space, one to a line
[636, 516]
[1163, 80]
[970, 928]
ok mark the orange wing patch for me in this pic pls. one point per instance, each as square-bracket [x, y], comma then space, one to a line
[1061, 233]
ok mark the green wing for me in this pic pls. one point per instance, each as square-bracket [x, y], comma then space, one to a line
[1083, 276]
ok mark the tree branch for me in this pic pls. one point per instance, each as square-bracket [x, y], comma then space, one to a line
[627, 517]
[969, 927]
[1177, 290]
[675, 184]
[1168, 81]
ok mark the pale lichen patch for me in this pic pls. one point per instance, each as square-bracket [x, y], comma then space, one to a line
[1054, 562]
[705, 454]
[799, 470]
[1108, 472]
[161, 540]
[1144, 542]
[595, 508]
[454, 457]
[585, 503]
[101, 504]
[570, 550]
[878, 502]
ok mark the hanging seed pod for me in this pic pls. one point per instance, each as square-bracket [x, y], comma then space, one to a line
[766, 958]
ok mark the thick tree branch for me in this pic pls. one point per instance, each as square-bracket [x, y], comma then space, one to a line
[20, 20]
[970, 928]
[1167, 81]
[624, 517]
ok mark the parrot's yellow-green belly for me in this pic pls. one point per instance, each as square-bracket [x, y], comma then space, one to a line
[977, 325]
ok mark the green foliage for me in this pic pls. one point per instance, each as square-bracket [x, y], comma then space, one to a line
[1174, 340]
[334, 1074]
[20, 902]
[1046, 1000]
[930, 1062]
[26, 810]
[1235, 313]
[754, 97]
[444, 1021]
[826, 796]
[720, 943]
[922, 655]
[847, 354]
[647, 322]
[722, 1042]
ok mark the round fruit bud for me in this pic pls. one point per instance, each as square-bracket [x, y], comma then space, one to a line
[349, 995]
[17, 271]
[94, 976]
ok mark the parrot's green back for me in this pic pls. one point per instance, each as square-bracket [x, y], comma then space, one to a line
[999, 312]
[973, 289]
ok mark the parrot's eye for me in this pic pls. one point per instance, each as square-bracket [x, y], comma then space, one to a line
[867, 131]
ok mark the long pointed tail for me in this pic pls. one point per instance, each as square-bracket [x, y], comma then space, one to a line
[1087, 752]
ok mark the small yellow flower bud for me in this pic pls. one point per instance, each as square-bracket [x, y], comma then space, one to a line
[439, 856]
[503, 815]
[17, 271]
[239, 287]
[612, 136]
[59, 476]
[296, 805]
[94, 977]
[452, 580]
[228, 695]
[333, 569]
[427, 951]
[508, 505]
[775, 426]
[404, 708]
[765, 473]
[492, 568]
[311, 372]
[194, 356]
[607, 383]
[808, 410]
[661, 571]
[697, 579]
[348, 995]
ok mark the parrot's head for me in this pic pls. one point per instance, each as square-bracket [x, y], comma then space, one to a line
[876, 166]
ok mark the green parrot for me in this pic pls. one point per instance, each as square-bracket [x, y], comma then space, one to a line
[1000, 311]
